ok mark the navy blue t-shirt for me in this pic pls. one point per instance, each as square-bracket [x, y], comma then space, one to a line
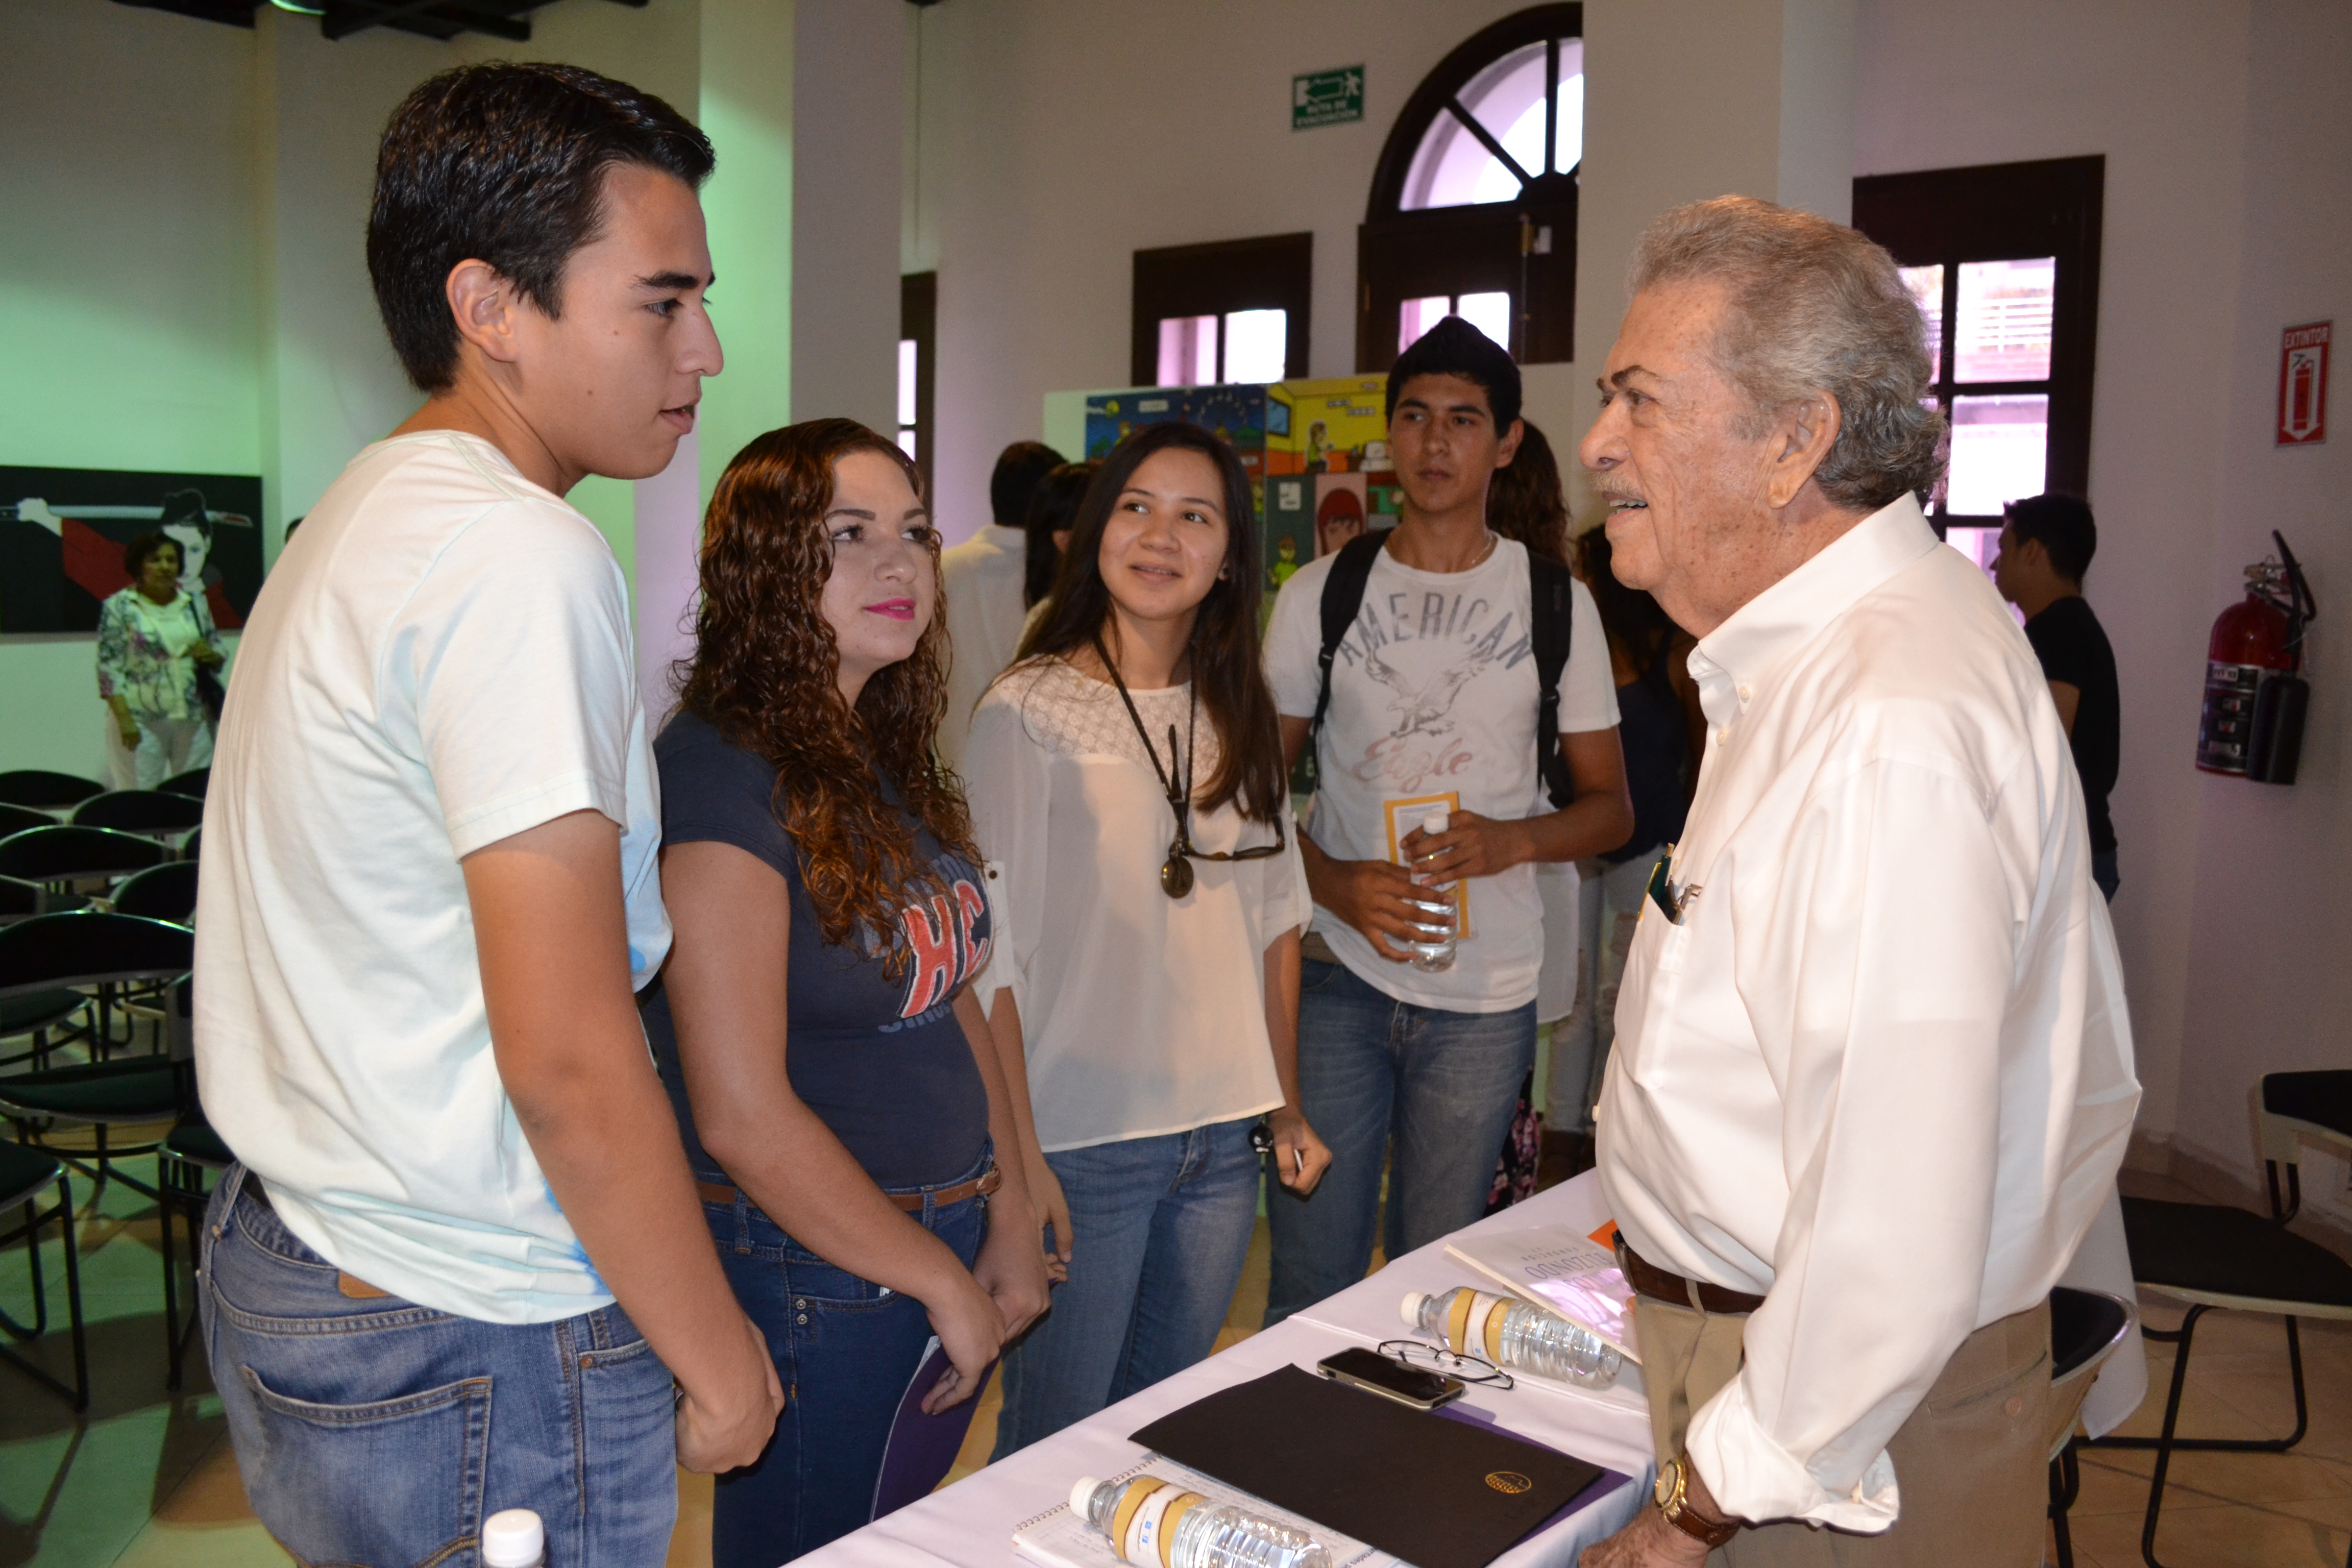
[878, 1055]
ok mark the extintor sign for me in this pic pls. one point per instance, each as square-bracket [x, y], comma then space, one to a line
[2303, 385]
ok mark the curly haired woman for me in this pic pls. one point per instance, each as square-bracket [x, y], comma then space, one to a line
[834, 1078]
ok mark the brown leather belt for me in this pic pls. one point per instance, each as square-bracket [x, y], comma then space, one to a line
[980, 1187]
[1662, 1285]
[350, 1285]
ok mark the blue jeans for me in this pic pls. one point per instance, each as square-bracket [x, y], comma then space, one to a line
[1443, 1083]
[844, 1349]
[2104, 873]
[367, 1431]
[1160, 1227]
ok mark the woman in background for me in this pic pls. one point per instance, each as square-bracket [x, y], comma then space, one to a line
[1128, 779]
[831, 1074]
[1053, 505]
[154, 637]
[1524, 500]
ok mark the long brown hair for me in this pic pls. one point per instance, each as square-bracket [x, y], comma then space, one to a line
[763, 674]
[1524, 500]
[1228, 672]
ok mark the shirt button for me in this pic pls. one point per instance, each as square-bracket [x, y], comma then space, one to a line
[1745, 694]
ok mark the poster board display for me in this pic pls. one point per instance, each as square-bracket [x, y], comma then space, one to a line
[62, 532]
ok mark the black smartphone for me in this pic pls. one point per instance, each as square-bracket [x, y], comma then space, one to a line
[1376, 1374]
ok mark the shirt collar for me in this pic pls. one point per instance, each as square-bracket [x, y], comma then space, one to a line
[1731, 662]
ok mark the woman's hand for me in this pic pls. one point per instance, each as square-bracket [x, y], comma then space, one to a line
[971, 1327]
[128, 728]
[1299, 1157]
[1053, 1210]
[204, 654]
[1010, 1268]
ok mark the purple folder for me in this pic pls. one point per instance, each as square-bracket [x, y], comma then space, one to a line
[922, 1448]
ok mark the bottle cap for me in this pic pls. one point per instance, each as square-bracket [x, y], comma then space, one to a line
[1435, 821]
[1083, 1494]
[513, 1538]
[1409, 1308]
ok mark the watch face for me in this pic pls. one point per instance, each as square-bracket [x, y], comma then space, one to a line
[1669, 1476]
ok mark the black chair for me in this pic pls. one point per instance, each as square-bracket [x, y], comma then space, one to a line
[158, 814]
[165, 892]
[46, 791]
[2218, 1256]
[189, 845]
[34, 1014]
[191, 1152]
[52, 951]
[2085, 1327]
[25, 1175]
[191, 783]
[17, 818]
[59, 857]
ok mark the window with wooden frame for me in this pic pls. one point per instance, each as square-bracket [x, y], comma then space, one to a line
[1473, 208]
[918, 317]
[1234, 310]
[2004, 261]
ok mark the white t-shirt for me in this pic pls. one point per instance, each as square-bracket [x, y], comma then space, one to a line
[1433, 693]
[1121, 1035]
[980, 579]
[441, 660]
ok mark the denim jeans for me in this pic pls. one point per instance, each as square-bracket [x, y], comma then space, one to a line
[1160, 1230]
[376, 1431]
[1443, 1083]
[844, 1349]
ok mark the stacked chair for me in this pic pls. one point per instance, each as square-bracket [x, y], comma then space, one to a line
[45, 791]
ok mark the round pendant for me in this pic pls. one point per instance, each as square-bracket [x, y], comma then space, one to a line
[1176, 875]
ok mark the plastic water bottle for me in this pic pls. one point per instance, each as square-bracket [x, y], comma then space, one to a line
[513, 1538]
[1513, 1333]
[1139, 1515]
[1435, 914]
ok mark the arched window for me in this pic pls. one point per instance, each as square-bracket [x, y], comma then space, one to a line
[1473, 204]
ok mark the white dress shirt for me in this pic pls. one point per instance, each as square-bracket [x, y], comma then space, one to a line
[981, 579]
[1881, 1071]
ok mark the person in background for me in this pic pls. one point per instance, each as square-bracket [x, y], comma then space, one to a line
[1665, 734]
[1128, 775]
[1434, 705]
[1053, 509]
[154, 637]
[430, 886]
[1873, 1076]
[2046, 545]
[1527, 502]
[830, 1068]
[986, 581]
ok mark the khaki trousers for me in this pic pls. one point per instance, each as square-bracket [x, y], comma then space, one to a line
[1972, 1462]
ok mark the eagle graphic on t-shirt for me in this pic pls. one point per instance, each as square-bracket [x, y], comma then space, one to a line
[1426, 710]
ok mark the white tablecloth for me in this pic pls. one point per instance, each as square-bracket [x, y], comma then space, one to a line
[973, 1521]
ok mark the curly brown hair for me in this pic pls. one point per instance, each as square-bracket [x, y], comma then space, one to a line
[763, 675]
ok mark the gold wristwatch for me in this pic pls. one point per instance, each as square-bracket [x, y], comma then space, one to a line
[1672, 1497]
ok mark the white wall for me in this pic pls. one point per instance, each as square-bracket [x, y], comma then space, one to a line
[848, 74]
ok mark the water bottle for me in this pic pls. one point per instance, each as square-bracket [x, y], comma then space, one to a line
[513, 1538]
[1434, 915]
[1514, 1333]
[1141, 1514]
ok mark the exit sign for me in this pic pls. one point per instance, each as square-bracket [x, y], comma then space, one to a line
[1327, 98]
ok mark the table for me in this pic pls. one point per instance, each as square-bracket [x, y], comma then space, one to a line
[972, 1522]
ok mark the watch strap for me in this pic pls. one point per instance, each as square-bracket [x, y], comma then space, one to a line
[1679, 1513]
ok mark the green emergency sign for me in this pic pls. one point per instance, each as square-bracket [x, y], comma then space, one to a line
[1327, 98]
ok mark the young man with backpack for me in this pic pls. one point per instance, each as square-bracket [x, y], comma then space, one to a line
[1436, 667]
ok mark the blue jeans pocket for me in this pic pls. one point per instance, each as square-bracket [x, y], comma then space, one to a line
[418, 1460]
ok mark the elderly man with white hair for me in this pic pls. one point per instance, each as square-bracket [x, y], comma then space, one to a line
[1873, 1075]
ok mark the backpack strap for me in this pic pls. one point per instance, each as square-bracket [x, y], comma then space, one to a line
[1552, 616]
[1343, 596]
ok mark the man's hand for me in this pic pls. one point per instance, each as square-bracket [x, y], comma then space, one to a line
[1372, 896]
[1053, 1213]
[1299, 1157]
[1010, 1268]
[732, 1429]
[1471, 845]
[1648, 1543]
[971, 1327]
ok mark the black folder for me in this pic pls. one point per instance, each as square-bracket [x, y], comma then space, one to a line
[1437, 1493]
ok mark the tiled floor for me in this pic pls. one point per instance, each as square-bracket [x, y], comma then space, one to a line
[148, 1482]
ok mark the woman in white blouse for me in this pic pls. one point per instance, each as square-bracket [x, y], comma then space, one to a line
[1126, 784]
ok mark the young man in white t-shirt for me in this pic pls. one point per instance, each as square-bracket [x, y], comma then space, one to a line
[461, 1257]
[1433, 703]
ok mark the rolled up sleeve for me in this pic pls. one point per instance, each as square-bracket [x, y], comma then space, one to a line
[1011, 797]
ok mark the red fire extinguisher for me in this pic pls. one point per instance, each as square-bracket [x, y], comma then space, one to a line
[2255, 696]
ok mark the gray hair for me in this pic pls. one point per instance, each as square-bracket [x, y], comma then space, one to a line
[1816, 307]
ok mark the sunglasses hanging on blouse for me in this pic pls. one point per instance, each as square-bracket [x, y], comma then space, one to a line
[1176, 871]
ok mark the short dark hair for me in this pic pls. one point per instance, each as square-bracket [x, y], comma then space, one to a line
[135, 553]
[1053, 509]
[503, 163]
[2062, 525]
[1018, 468]
[1454, 347]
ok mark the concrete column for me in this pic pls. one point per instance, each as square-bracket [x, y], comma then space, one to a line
[848, 79]
[747, 111]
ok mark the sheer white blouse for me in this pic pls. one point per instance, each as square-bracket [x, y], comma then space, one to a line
[1141, 1014]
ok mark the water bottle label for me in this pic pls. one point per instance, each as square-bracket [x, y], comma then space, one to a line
[1152, 1528]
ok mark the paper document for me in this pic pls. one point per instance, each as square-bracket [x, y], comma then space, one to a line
[1061, 1538]
[1554, 1267]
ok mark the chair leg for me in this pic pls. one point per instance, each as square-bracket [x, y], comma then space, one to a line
[2061, 1500]
[78, 1394]
[166, 1205]
[2165, 1440]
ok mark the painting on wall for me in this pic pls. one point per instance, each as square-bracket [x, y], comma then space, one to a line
[62, 534]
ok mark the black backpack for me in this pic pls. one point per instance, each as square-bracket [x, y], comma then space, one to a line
[1552, 613]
